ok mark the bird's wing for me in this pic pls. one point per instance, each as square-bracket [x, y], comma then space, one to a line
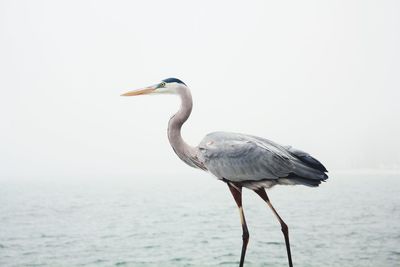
[239, 157]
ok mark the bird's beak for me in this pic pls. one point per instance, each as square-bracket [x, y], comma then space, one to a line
[143, 91]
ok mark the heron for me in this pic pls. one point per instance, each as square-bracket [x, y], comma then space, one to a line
[239, 160]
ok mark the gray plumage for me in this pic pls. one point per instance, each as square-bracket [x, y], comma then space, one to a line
[252, 161]
[240, 160]
[257, 162]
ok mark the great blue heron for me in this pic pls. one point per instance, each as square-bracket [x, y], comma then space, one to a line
[239, 160]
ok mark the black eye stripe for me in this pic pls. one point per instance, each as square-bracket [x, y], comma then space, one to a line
[173, 80]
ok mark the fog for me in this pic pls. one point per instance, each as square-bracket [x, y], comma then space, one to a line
[322, 76]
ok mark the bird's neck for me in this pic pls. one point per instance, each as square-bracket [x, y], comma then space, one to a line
[184, 151]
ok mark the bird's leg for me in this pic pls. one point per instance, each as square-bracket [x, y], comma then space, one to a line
[261, 192]
[237, 195]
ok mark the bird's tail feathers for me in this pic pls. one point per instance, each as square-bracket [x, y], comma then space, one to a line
[307, 172]
[306, 158]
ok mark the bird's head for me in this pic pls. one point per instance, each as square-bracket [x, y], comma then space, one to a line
[166, 86]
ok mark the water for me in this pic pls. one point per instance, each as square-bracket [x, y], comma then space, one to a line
[352, 220]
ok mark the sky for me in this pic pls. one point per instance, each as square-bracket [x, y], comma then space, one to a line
[322, 76]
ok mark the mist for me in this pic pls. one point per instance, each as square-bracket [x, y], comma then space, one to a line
[322, 76]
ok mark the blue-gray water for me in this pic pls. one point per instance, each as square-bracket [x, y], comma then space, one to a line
[352, 220]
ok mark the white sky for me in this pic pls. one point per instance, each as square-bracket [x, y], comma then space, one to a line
[323, 76]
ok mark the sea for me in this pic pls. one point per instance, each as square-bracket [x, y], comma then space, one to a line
[352, 220]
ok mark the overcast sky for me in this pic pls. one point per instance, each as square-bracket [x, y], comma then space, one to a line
[322, 76]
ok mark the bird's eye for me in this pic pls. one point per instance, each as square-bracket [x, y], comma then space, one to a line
[162, 84]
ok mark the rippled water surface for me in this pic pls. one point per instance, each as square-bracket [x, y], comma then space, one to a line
[352, 220]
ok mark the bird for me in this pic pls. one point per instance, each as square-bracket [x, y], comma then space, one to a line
[239, 160]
